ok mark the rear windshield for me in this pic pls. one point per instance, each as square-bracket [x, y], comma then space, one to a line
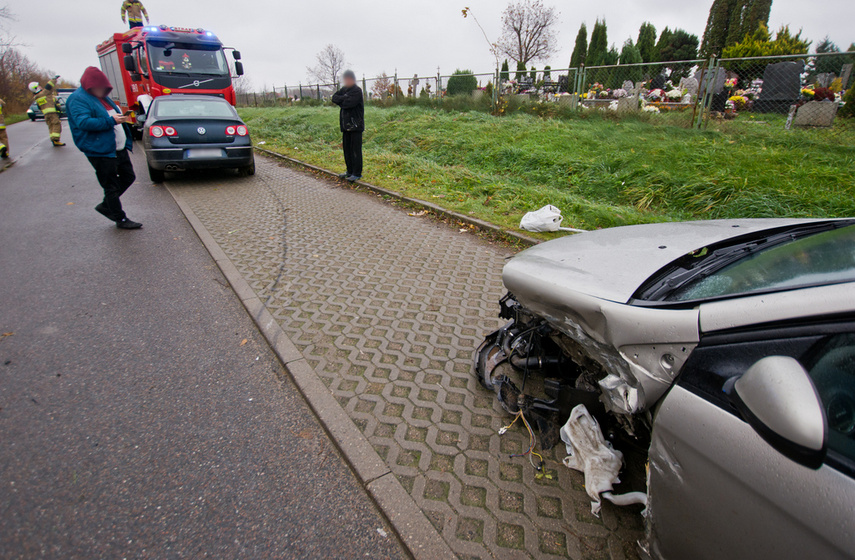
[823, 258]
[176, 107]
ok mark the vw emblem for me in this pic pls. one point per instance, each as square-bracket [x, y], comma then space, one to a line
[196, 83]
[201, 130]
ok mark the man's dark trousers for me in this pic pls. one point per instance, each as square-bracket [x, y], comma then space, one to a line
[115, 176]
[351, 143]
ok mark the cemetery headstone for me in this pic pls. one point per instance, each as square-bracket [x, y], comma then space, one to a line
[816, 113]
[713, 81]
[781, 87]
[845, 74]
[690, 85]
[627, 104]
[825, 79]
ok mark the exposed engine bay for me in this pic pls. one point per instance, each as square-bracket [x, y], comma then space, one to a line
[541, 375]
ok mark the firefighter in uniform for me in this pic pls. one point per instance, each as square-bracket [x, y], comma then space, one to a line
[46, 100]
[4, 139]
[135, 11]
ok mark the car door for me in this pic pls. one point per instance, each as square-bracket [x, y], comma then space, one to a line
[719, 490]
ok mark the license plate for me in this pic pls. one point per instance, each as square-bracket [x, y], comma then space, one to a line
[204, 153]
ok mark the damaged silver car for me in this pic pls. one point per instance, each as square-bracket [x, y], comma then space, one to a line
[714, 359]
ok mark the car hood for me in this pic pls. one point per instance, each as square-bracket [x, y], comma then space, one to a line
[611, 264]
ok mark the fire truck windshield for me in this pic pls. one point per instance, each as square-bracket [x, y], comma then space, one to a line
[186, 60]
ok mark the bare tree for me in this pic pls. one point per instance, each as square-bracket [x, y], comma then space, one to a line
[329, 64]
[528, 31]
[7, 16]
[382, 86]
[243, 88]
[494, 48]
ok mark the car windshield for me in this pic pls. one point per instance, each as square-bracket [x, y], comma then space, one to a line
[181, 59]
[827, 257]
[177, 107]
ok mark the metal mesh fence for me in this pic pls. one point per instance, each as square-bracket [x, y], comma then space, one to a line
[793, 91]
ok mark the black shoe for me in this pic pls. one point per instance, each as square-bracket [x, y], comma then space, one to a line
[58, 144]
[354, 178]
[101, 209]
[343, 175]
[4, 152]
[125, 223]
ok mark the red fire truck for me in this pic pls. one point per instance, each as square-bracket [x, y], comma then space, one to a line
[150, 61]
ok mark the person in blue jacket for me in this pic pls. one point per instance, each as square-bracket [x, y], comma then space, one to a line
[101, 132]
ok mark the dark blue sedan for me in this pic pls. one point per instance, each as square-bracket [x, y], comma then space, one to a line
[185, 132]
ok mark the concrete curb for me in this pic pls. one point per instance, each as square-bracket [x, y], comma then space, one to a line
[485, 226]
[414, 529]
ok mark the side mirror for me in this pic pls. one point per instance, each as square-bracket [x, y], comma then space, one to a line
[777, 398]
[239, 68]
[130, 64]
[127, 48]
[236, 55]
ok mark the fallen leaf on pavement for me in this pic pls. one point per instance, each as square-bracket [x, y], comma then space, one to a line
[242, 342]
[69, 204]
[303, 434]
[421, 213]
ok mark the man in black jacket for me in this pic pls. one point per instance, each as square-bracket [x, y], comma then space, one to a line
[352, 122]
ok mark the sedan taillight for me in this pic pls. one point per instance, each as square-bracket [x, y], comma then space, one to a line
[239, 130]
[161, 131]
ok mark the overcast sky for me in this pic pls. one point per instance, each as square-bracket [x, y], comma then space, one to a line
[279, 39]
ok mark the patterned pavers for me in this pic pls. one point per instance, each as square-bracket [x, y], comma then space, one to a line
[388, 308]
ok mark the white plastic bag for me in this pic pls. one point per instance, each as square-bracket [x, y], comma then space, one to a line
[547, 218]
[589, 452]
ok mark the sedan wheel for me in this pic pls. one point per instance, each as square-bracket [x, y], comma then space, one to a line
[156, 175]
[248, 170]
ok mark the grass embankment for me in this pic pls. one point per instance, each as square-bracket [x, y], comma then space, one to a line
[600, 172]
[15, 118]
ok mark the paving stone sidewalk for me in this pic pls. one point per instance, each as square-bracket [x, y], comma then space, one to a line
[388, 308]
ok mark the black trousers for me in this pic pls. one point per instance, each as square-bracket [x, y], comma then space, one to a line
[351, 143]
[114, 175]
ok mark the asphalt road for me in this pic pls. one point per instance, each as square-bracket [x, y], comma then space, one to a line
[141, 413]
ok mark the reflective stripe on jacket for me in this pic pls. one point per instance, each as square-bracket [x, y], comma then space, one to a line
[46, 98]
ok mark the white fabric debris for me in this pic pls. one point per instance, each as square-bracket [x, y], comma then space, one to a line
[627, 499]
[589, 452]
